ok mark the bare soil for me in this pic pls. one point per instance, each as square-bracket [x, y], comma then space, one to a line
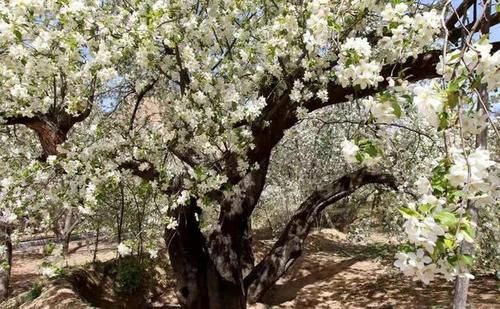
[334, 272]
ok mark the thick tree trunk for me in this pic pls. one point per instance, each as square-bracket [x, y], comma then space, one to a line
[230, 244]
[289, 246]
[5, 268]
[209, 273]
[199, 285]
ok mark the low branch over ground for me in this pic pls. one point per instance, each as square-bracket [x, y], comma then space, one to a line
[289, 245]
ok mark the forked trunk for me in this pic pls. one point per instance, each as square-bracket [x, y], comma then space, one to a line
[199, 285]
[70, 223]
[210, 273]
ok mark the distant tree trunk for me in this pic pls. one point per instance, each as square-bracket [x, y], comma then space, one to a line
[121, 214]
[5, 269]
[70, 223]
[96, 245]
[66, 235]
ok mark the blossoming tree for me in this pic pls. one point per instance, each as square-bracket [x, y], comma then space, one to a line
[228, 78]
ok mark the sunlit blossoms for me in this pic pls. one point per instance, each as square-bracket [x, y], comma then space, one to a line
[123, 249]
[471, 171]
[429, 102]
[355, 67]
[435, 225]
[139, 118]
[478, 59]
[349, 150]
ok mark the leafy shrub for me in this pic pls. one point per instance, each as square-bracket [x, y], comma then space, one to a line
[131, 276]
[36, 290]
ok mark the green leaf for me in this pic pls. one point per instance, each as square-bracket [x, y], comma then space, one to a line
[476, 83]
[408, 212]
[396, 108]
[18, 35]
[456, 84]
[408, 98]
[443, 120]
[449, 243]
[333, 24]
[467, 259]
[446, 218]
[440, 247]
[425, 208]
[452, 99]
[371, 150]
[453, 260]
[455, 57]
[468, 232]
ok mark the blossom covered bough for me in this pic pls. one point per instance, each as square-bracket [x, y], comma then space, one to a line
[222, 81]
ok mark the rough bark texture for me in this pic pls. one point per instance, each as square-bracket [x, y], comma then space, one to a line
[199, 284]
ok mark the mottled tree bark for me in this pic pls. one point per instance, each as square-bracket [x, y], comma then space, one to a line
[199, 284]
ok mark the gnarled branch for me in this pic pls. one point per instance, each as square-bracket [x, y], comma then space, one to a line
[289, 245]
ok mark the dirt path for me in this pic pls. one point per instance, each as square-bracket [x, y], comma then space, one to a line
[334, 273]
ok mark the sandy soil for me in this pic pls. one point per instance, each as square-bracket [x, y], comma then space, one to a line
[334, 273]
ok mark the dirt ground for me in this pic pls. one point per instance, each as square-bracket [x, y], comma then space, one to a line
[26, 263]
[333, 273]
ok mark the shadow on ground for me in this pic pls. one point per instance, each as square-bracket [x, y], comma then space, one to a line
[336, 273]
[333, 272]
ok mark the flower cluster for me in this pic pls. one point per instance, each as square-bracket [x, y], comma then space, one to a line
[429, 101]
[439, 225]
[477, 60]
[354, 67]
[471, 172]
[124, 249]
[362, 151]
[406, 35]
[318, 31]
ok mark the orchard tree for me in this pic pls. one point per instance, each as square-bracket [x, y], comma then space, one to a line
[227, 79]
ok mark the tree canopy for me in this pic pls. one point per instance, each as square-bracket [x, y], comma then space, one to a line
[172, 112]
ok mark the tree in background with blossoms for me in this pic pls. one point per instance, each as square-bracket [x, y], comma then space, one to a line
[230, 78]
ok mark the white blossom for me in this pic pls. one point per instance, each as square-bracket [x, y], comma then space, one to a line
[124, 250]
[349, 151]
